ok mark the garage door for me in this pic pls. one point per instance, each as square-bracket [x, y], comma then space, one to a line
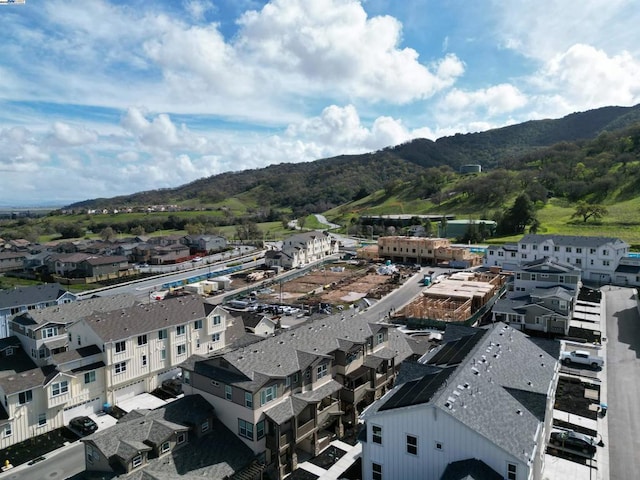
[130, 391]
[87, 408]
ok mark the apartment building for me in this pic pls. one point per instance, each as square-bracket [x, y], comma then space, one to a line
[596, 257]
[479, 406]
[302, 249]
[23, 299]
[293, 392]
[430, 251]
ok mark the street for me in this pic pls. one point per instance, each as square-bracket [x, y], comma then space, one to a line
[623, 374]
[58, 465]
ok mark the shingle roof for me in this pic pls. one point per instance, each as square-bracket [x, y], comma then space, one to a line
[470, 469]
[27, 379]
[480, 393]
[30, 295]
[572, 240]
[547, 264]
[143, 318]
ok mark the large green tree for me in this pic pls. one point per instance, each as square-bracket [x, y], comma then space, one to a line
[586, 211]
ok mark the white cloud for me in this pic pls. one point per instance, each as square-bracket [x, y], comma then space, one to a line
[63, 134]
[495, 100]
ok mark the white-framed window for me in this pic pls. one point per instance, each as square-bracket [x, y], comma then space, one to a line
[567, 249]
[412, 445]
[534, 277]
[8, 430]
[379, 338]
[25, 397]
[605, 252]
[500, 253]
[268, 394]
[204, 426]
[376, 471]
[215, 337]
[120, 367]
[259, 430]
[376, 434]
[59, 388]
[121, 346]
[578, 250]
[143, 360]
[90, 377]
[245, 429]
[605, 263]
[321, 370]
[137, 461]
[217, 320]
[163, 354]
[49, 332]
[545, 248]
[181, 438]
[182, 349]
[248, 399]
[142, 340]
[228, 392]
[534, 247]
[512, 471]
[164, 448]
[180, 330]
[162, 334]
[42, 419]
[197, 324]
[524, 256]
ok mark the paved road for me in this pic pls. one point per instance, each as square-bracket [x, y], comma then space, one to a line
[57, 466]
[623, 385]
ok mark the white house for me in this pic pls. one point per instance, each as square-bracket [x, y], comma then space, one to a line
[482, 401]
[596, 257]
[302, 249]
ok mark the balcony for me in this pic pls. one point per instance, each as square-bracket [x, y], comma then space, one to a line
[331, 408]
[304, 429]
[354, 395]
[278, 443]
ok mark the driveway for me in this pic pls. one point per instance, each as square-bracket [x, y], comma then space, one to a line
[623, 382]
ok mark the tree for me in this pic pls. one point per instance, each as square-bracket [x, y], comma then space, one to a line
[443, 226]
[301, 222]
[589, 210]
[107, 234]
[521, 214]
[138, 230]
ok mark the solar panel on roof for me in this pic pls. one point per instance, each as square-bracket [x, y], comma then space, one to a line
[418, 391]
[455, 352]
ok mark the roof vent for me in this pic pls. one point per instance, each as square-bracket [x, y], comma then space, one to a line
[519, 412]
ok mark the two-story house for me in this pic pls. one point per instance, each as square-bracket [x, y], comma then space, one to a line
[10, 261]
[543, 299]
[205, 244]
[144, 344]
[596, 257]
[22, 299]
[304, 248]
[480, 405]
[282, 395]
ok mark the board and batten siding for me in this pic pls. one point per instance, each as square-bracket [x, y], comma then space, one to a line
[431, 426]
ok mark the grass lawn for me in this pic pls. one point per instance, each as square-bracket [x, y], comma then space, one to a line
[35, 447]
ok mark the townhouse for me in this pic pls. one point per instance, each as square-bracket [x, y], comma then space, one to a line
[479, 406]
[293, 392]
[597, 257]
[143, 345]
[22, 299]
[302, 249]
[430, 251]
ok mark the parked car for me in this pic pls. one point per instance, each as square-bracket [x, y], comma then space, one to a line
[570, 440]
[172, 386]
[84, 425]
[583, 357]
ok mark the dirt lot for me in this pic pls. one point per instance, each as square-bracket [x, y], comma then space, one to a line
[570, 397]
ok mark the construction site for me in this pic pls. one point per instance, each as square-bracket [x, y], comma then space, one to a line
[456, 298]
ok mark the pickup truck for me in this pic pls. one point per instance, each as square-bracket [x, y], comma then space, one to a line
[582, 357]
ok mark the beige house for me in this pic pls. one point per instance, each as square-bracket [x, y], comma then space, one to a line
[429, 251]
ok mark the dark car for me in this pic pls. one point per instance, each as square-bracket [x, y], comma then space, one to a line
[84, 425]
[571, 440]
[172, 386]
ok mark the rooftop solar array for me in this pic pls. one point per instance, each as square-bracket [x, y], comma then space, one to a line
[452, 353]
[418, 391]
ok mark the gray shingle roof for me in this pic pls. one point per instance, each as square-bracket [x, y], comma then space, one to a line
[143, 318]
[480, 393]
[30, 295]
[470, 469]
[572, 240]
[547, 264]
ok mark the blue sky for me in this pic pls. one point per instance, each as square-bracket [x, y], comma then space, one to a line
[103, 98]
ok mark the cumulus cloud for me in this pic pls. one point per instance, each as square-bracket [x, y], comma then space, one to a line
[495, 100]
[63, 134]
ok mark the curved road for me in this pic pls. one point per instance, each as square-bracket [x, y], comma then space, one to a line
[623, 382]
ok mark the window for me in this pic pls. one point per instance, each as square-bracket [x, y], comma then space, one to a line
[49, 332]
[79, 339]
[379, 338]
[561, 278]
[217, 320]
[260, 430]
[42, 419]
[162, 334]
[59, 388]
[142, 340]
[534, 277]
[322, 370]
[523, 246]
[25, 397]
[512, 471]
[524, 256]
[578, 250]
[376, 471]
[245, 429]
[500, 253]
[180, 330]
[567, 249]
[204, 426]
[545, 248]
[197, 325]
[121, 346]
[605, 252]
[163, 354]
[137, 461]
[556, 249]
[412, 444]
[8, 431]
[439, 446]
[181, 438]
[215, 337]
[376, 434]
[578, 261]
[248, 400]
[143, 360]
[182, 349]
[120, 367]
[605, 263]
[534, 247]
[164, 448]
[268, 394]
[228, 392]
[90, 377]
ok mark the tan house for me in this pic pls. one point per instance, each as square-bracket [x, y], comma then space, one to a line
[429, 251]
